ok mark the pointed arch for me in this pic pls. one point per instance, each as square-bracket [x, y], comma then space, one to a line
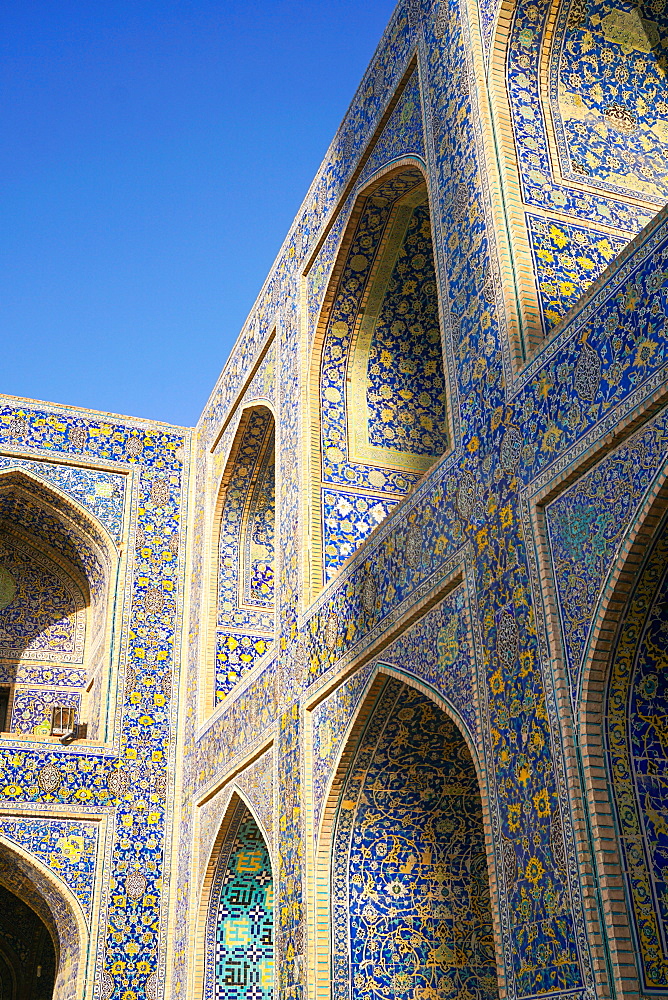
[33, 883]
[236, 913]
[622, 823]
[242, 556]
[377, 378]
[69, 559]
[392, 699]
[580, 149]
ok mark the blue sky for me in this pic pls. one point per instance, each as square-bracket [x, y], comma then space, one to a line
[152, 157]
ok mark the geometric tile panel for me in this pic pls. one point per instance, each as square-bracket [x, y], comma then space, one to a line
[240, 951]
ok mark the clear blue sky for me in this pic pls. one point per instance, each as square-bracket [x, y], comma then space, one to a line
[153, 154]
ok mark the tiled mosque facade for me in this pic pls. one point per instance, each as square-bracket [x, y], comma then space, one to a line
[364, 678]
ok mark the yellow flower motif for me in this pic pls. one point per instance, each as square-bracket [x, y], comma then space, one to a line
[551, 437]
[506, 515]
[496, 682]
[644, 352]
[523, 771]
[482, 539]
[12, 791]
[71, 847]
[536, 740]
[473, 445]
[534, 870]
[514, 813]
[542, 803]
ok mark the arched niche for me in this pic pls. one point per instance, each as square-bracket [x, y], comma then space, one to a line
[243, 555]
[401, 866]
[579, 102]
[622, 752]
[55, 910]
[236, 956]
[27, 954]
[377, 370]
[57, 567]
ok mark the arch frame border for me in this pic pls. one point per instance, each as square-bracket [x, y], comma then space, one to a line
[217, 489]
[83, 984]
[349, 208]
[319, 861]
[600, 902]
[234, 799]
[117, 566]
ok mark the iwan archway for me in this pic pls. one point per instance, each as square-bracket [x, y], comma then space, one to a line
[377, 373]
[410, 900]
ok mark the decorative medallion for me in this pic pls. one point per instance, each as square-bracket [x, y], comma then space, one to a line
[587, 374]
[507, 637]
[78, 436]
[511, 448]
[135, 885]
[160, 784]
[331, 630]
[107, 985]
[369, 592]
[18, 427]
[160, 492]
[49, 779]
[117, 782]
[413, 546]
[489, 287]
[134, 447]
[620, 118]
[154, 600]
[466, 492]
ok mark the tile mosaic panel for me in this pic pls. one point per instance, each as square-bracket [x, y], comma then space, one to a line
[102, 493]
[566, 259]
[637, 758]
[436, 650]
[609, 96]
[31, 708]
[33, 889]
[67, 847]
[348, 518]
[136, 783]
[240, 926]
[245, 618]
[379, 220]
[411, 905]
[290, 930]
[402, 135]
[241, 722]
[42, 610]
[588, 524]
